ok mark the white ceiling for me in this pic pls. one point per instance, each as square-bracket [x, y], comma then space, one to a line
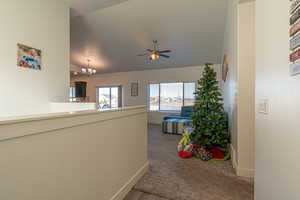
[112, 36]
[81, 7]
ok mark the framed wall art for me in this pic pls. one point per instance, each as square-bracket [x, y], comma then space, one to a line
[134, 89]
[294, 37]
[225, 68]
[29, 57]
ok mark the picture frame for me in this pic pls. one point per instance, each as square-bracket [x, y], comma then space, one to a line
[134, 89]
[294, 37]
[29, 57]
[225, 68]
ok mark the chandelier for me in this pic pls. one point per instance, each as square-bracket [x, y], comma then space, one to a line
[88, 70]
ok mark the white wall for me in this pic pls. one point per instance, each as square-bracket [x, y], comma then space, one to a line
[71, 107]
[277, 134]
[185, 74]
[43, 25]
[239, 89]
[230, 86]
[83, 156]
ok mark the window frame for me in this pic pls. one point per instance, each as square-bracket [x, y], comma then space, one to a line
[159, 96]
[120, 96]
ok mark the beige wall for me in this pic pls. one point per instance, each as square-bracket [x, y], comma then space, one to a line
[246, 88]
[277, 133]
[86, 155]
[185, 74]
[239, 89]
[43, 25]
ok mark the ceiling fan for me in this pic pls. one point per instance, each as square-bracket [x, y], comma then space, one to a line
[155, 53]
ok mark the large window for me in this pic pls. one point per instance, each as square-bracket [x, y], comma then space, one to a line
[171, 96]
[109, 97]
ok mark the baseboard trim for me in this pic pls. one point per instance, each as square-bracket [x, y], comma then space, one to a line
[244, 172]
[121, 194]
[249, 173]
[155, 124]
[233, 157]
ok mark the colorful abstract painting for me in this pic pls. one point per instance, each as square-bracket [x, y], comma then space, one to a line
[29, 57]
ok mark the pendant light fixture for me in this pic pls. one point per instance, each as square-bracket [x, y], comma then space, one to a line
[88, 70]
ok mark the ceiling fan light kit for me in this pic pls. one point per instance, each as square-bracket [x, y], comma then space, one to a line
[155, 53]
[154, 56]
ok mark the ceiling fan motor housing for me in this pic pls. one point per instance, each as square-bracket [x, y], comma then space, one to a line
[155, 53]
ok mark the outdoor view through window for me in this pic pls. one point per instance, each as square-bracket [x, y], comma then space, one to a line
[171, 96]
[108, 97]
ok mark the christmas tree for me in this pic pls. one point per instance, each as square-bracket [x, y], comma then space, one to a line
[209, 119]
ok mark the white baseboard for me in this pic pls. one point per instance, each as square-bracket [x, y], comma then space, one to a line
[233, 157]
[121, 194]
[244, 172]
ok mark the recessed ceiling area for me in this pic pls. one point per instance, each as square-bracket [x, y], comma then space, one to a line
[112, 36]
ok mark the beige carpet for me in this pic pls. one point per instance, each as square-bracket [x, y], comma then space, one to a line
[173, 178]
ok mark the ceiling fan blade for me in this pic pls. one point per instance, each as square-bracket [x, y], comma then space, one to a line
[165, 51]
[163, 55]
[145, 54]
[150, 50]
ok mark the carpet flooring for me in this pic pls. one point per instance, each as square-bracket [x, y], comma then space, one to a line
[173, 178]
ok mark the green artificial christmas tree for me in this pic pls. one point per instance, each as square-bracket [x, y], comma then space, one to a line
[209, 119]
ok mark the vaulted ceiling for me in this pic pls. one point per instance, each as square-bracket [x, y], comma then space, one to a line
[82, 7]
[112, 32]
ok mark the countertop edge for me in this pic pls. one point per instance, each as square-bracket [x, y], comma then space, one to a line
[39, 117]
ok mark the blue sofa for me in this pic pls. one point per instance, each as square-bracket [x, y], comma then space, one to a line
[175, 124]
[186, 113]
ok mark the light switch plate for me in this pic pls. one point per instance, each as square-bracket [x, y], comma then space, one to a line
[263, 106]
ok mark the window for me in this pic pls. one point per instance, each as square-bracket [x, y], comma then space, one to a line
[154, 97]
[189, 94]
[109, 97]
[171, 96]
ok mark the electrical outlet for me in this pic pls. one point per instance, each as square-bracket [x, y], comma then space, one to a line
[263, 106]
